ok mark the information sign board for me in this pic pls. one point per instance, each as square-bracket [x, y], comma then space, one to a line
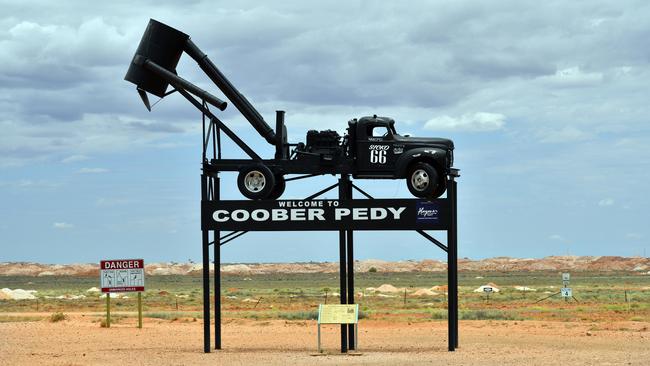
[338, 314]
[122, 275]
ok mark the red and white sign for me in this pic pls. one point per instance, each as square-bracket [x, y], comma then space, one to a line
[122, 275]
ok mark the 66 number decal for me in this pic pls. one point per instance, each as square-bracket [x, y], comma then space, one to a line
[378, 154]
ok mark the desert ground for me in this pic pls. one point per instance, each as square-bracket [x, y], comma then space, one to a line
[269, 312]
[79, 341]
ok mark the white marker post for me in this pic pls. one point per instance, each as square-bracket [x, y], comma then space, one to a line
[122, 275]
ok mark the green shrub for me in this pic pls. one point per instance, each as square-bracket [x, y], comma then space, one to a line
[299, 315]
[487, 315]
[372, 270]
[439, 314]
[57, 317]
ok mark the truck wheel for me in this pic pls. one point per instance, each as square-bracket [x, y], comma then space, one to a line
[280, 185]
[422, 180]
[256, 182]
[442, 187]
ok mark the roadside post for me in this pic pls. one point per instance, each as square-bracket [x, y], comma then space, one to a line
[122, 275]
[487, 290]
[565, 291]
[347, 314]
[108, 310]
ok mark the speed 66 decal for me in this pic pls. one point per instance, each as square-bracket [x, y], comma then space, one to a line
[378, 154]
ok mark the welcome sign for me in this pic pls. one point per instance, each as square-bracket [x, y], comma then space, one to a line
[305, 215]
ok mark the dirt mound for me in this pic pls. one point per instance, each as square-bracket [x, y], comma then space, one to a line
[424, 292]
[442, 288]
[388, 288]
[483, 287]
[524, 288]
[18, 294]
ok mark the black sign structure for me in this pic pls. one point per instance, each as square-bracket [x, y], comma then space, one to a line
[344, 215]
[152, 70]
[313, 215]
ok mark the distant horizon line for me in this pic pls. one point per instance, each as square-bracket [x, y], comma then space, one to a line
[334, 261]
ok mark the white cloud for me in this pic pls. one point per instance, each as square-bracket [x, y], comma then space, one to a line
[566, 134]
[62, 225]
[470, 122]
[74, 159]
[92, 170]
[606, 202]
[573, 77]
[633, 236]
[557, 237]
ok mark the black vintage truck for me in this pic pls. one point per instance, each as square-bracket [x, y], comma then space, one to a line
[371, 148]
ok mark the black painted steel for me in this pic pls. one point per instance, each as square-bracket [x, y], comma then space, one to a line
[452, 270]
[153, 70]
[206, 272]
[324, 215]
[216, 181]
[163, 45]
[433, 240]
[180, 83]
[324, 190]
[344, 181]
[233, 238]
[350, 274]
[238, 99]
[281, 143]
[221, 126]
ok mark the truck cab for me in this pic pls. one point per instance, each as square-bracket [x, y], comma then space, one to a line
[380, 152]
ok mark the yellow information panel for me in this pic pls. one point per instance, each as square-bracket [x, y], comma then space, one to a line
[338, 314]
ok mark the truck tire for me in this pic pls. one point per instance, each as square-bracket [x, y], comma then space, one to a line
[422, 180]
[256, 182]
[280, 185]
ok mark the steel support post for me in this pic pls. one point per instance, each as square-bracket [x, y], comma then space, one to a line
[452, 267]
[350, 274]
[206, 272]
[216, 196]
[343, 184]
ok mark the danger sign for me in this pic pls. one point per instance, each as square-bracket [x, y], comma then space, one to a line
[122, 275]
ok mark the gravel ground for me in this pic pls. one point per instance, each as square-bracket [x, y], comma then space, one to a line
[81, 341]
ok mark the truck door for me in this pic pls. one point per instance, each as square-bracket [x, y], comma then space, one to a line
[375, 150]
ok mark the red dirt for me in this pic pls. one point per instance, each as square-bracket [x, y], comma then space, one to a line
[80, 341]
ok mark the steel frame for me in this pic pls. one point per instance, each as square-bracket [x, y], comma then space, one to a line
[210, 191]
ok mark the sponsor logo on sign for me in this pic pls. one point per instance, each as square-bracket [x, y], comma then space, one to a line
[427, 212]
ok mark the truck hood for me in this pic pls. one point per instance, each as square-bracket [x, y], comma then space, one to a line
[430, 141]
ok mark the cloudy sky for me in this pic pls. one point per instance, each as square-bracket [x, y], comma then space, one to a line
[547, 103]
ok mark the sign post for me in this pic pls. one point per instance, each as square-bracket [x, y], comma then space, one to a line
[339, 314]
[122, 275]
[108, 311]
[487, 290]
[566, 290]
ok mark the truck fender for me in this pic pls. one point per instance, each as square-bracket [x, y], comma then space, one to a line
[428, 154]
